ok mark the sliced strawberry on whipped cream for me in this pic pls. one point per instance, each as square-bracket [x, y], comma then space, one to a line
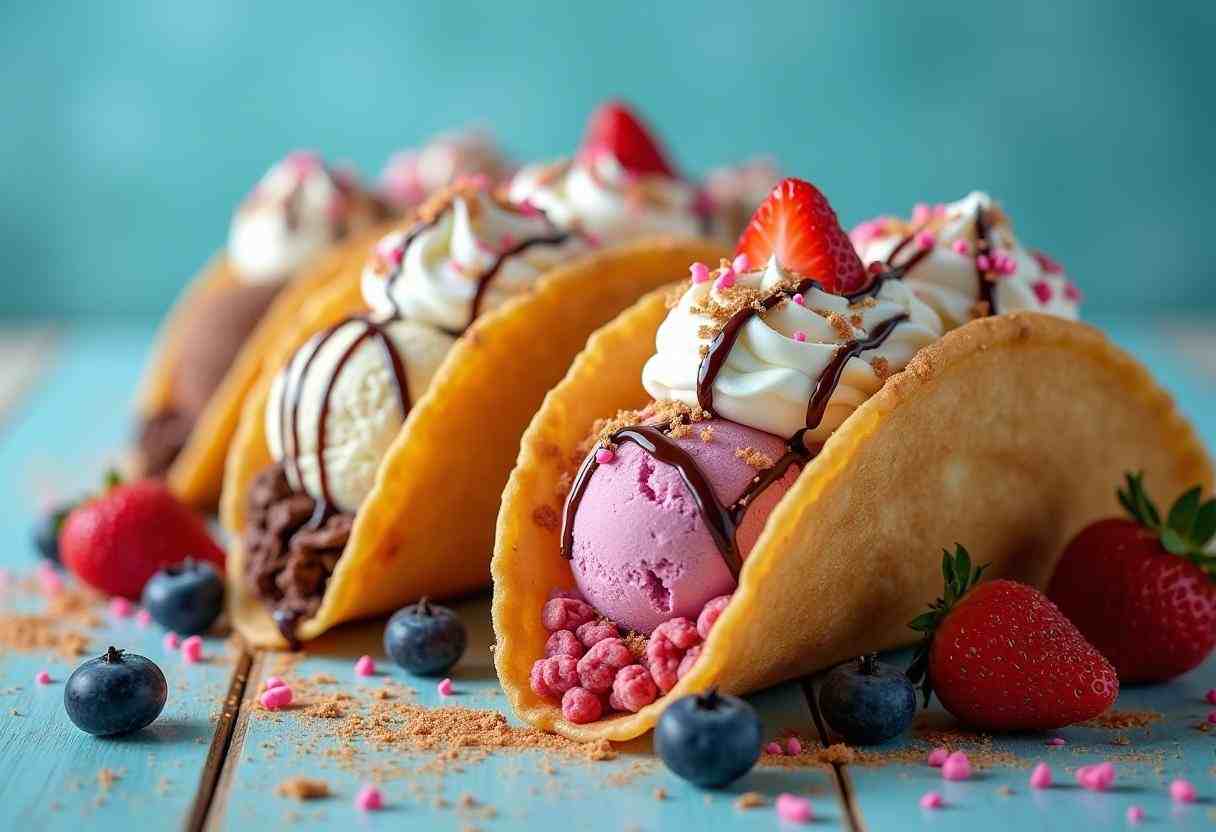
[616, 130]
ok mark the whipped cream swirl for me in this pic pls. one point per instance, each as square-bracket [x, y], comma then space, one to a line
[771, 372]
[469, 253]
[410, 176]
[598, 196]
[941, 248]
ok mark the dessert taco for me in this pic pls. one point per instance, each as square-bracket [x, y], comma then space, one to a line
[302, 225]
[367, 471]
[767, 493]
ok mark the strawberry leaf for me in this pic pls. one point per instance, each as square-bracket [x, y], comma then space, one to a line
[1183, 512]
[1173, 542]
[1205, 523]
[1136, 500]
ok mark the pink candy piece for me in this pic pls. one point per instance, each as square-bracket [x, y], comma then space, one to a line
[1047, 264]
[741, 264]
[633, 689]
[1096, 778]
[275, 682]
[42, 677]
[581, 706]
[1212, 717]
[799, 299]
[605, 456]
[686, 663]
[1134, 814]
[369, 799]
[699, 272]
[925, 241]
[799, 335]
[171, 641]
[1056, 742]
[938, 756]
[931, 800]
[274, 698]
[983, 263]
[564, 643]
[794, 809]
[1210, 696]
[1042, 291]
[773, 748]
[710, 613]
[49, 580]
[143, 618]
[120, 607]
[921, 213]
[1072, 293]
[192, 650]
[961, 247]
[1182, 791]
[598, 667]
[1040, 778]
[365, 666]
[552, 677]
[666, 648]
[593, 632]
[566, 614]
[726, 279]
[793, 746]
[956, 767]
[445, 687]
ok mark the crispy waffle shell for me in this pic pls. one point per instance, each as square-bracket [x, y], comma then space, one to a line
[1008, 435]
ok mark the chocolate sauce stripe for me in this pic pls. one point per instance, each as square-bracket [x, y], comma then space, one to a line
[986, 289]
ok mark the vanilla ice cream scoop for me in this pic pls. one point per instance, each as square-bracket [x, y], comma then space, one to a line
[964, 260]
[769, 376]
[410, 176]
[299, 208]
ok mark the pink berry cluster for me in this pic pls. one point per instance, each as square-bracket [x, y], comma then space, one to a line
[591, 671]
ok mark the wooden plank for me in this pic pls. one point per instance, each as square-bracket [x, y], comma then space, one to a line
[57, 443]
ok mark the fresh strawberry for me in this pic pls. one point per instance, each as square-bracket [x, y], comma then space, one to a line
[1001, 657]
[615, 129]
[797, 224]
[1144, 591]
[115, 542]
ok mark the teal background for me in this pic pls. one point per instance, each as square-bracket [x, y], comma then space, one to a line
[128, 130]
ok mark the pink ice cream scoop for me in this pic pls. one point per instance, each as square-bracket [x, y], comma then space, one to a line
[642, 552]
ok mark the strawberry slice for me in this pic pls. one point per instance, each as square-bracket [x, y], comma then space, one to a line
[614, 128]
[797, 224]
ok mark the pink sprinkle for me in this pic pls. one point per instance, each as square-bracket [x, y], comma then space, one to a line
[1046, 263]
[143, 618]
[192, 650]
[445, 688]
[1097, 778]
[1182, 791]
[868, 231]
[1212, 717]
[42, 677]
[741, 264]
[938, 756]
[275, 682]
[1040, 778]
[956, 767]
[983, 263]
[793, 746]
[605, 456]
[171, 641]
[1042, 291]
[699, 272]
[726, 279]
[369, 799]
[594, 240]
[931, 800]
[275, 698]
[794, 809]
[1210, 696]
[303, 162]
[365, 666]
[1056, 742]
[49, 580]
[773, 748]
[1134, 814]
[961, 247]
[925, 241]
[1071, 292]
[528, 208]
[799, 335]
[1005, 264]
[799, 299]
[921, 213]
[120, 607]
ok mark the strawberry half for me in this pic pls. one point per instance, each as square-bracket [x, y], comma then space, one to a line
[614, 129]
[796, 224]
[1143, 590]
[1001, 657]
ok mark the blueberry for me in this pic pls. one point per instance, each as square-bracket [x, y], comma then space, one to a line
[185, 598]
[115, 694]
[867, 701]
[709, 740]
[424, 638]
[46, 531]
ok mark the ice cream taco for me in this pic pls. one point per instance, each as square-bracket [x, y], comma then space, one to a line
[755, 481]
[367, 471]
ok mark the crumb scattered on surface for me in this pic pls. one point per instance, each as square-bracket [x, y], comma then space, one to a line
[754, 458]
[303, 788]
[1123, 720]
[750, 800]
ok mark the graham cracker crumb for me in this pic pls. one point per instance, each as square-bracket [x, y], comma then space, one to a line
[842, 326]
[303, 788]
[1122, 720]
[756, 459]
[107, 777]
[707, 433]
[750, 800]
[881, 367]
[660, 793]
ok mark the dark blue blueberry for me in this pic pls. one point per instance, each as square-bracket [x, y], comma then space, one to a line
[867, 701]
[709, 740]
[425, 639]
[185, 598]
[46, 531]
[115, 694]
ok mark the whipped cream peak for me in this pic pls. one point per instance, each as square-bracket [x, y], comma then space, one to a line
[468, 251]
[965, 261]
[300, 207]
[772, 350]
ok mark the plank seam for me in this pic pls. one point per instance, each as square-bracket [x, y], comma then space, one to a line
[221, 741]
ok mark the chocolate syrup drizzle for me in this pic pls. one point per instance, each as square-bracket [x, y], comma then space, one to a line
[983, 245]
[723, 521]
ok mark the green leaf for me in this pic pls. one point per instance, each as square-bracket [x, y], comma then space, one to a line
[924, 623]
[962, 567]
[1205, 524]
[1137, 502]
[1174, 543]
[947, 568]
[1182, 514]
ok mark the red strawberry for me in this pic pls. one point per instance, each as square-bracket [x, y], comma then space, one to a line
[615, 129]
[1143, 591]
[117, 541]
[1001, 657]
[797, 224]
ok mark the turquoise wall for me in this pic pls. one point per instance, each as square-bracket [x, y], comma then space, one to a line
[129, 129]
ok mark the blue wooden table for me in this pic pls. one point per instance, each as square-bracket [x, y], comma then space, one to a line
[216, 760]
